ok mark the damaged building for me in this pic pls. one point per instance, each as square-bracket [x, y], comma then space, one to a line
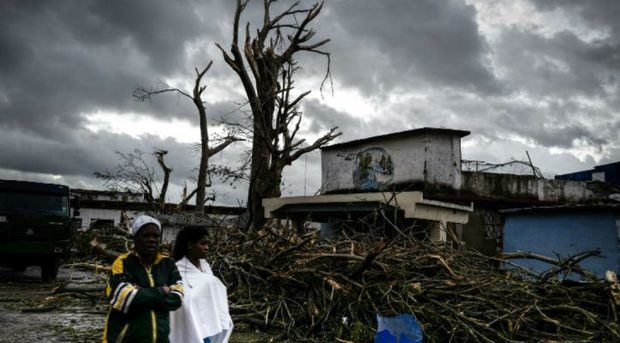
[104, 209]
[389, 171]
[420, 173]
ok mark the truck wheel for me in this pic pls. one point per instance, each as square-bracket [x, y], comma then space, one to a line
[49, 270]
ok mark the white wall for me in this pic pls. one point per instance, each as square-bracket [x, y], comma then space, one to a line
[424, 157]
[90, 214]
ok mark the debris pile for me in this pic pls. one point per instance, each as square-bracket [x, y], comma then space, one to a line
[304, 288]
[311, 289]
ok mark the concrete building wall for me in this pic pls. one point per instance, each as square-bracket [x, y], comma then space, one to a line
[523, 187]
[609, 173]
[368, 166]
[443, 160]
[87, 194]
[89, 215]
[564, 233]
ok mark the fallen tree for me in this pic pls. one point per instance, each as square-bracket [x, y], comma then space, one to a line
[304, 288]
[311, 289]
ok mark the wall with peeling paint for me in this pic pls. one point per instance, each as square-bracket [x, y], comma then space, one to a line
[509, 187]
[421, 157]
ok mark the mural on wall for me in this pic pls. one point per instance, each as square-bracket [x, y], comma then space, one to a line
[374, 169]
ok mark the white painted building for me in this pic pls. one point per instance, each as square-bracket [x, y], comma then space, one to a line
[358, 177]
[98, 195]
[413, 158]
[89, 216]
[115, 208]
[120, 208]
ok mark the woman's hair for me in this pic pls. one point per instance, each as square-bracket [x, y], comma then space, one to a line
[188, 235]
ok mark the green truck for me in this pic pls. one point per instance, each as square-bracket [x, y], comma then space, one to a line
[35, 225]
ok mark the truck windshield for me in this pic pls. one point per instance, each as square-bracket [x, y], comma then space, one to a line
[37, 203]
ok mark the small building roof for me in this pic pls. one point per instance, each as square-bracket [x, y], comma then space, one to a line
[104, 192]
[407, 133]
[413, 205]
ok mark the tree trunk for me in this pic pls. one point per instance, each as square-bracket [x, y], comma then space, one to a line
[266, 57]
[265, 184]
[204, 158]
[161, 201]
[261, 176]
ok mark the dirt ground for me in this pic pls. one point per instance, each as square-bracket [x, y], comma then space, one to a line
[29, 314]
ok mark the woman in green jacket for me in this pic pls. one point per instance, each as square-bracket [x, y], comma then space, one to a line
[143, 288]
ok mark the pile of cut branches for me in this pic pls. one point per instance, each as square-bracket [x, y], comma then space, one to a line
[308, 288]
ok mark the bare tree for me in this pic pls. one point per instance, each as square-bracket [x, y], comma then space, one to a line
[143, 94]
[159, 154]
[134, 174]
[266, 65]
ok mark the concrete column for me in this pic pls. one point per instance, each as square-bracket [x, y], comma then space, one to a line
[438, 231]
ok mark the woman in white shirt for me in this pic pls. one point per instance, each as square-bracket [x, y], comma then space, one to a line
[204, 316]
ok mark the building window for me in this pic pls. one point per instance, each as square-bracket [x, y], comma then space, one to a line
[492, 225]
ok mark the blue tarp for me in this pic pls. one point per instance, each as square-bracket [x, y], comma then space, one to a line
[400, 329]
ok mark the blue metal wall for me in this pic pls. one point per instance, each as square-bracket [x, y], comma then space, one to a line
[585, 175]
[564, 233]
[611, 170]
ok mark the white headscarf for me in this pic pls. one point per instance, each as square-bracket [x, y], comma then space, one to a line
[141, 221]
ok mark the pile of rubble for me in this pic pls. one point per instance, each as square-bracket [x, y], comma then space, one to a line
[304, 288]
[307, 288]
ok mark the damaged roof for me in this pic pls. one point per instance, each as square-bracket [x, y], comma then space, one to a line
[407, 133]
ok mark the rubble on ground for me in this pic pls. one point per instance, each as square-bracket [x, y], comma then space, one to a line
[308, 288]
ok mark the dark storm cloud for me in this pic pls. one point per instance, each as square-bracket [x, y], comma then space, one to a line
[562, 86]
[84, 152]
[560, 65]
[551, 123]
[323, 117]
[60, 61]
[64, 58]
[381, 45]
[552, 91]
[601, 14]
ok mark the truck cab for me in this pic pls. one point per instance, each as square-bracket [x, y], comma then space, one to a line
[35, 226]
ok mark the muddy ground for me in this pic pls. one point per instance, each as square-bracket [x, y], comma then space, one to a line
[28, 312]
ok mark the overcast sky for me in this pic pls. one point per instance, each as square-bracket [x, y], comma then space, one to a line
[535, 75]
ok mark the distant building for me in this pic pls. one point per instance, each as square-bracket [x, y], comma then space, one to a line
[360, 177]
[420, 173]
[609, 173]
[107, 208]
[99, 195]
[491, 192]
[414, 160]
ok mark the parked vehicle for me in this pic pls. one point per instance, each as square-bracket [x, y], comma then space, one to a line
[35, 225]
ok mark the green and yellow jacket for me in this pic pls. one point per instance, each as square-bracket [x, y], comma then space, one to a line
[139, 309]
